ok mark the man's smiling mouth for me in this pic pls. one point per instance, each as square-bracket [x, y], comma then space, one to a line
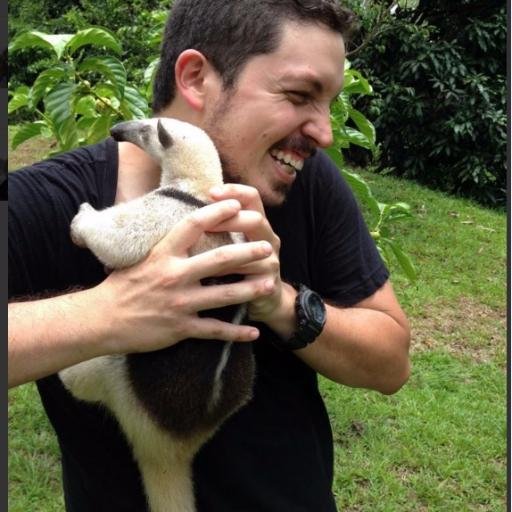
[282, 157]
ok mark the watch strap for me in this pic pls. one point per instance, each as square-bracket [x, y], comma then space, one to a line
[310, 313]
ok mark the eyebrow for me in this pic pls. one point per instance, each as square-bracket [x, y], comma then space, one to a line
[313, 82]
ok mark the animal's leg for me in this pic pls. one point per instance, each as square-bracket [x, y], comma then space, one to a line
[164, 461]
[90, 379]
[81, 224]
[118, 236]
[169, 488]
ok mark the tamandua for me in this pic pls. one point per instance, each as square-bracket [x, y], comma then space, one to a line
[168, 402]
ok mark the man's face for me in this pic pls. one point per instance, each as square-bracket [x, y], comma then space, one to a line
[277, 113]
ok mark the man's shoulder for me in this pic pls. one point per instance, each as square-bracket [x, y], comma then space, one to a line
[87, 173]
[91, 155]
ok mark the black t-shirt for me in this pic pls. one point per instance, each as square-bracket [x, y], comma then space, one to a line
[276, 453]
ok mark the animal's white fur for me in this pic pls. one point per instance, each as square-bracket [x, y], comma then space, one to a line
[121, 236]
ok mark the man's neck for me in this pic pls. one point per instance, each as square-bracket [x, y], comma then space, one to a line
[138, 173]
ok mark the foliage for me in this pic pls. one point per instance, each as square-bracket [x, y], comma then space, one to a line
[439, 105]
[351, 127]
[79, 97]
[132, 23]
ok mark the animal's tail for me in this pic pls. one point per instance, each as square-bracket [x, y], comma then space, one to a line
[238, 318]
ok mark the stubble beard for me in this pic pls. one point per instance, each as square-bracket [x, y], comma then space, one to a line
[231, 172]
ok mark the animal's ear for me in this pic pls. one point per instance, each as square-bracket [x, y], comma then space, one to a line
[163, 135]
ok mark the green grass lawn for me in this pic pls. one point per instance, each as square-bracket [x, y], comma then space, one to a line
[437, 445]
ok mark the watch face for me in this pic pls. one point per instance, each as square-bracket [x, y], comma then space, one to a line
[317, 309]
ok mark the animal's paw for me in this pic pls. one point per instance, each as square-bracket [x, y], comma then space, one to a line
[79, 224]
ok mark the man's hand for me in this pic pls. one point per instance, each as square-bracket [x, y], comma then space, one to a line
[275, 308]
[161, 296]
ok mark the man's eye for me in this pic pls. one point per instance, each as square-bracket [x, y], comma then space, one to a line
[298, 97]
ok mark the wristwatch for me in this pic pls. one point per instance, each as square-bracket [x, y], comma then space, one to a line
[310, 311]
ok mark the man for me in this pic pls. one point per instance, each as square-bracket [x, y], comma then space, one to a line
[259, 78]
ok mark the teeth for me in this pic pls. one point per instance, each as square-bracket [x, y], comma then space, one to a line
[287, 159]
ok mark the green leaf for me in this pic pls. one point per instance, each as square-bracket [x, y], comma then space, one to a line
[68, 134]
[336, 156]
[46, 81]
[149, 72]
[363, 124]
[354, 136]
[58, 106]
[399, 211]
[355, 83]
[83, 125]
[86, 106]
[100, 129]
[105, 90]
[35, 39]
[404, 261]
[94, 36]
[363, 191]
[20, 98]
[27, 131]
[58, 101]
[134, 105]
[341, 107]
[110, 67]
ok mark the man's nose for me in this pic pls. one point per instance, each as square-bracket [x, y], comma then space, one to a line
[318, 128]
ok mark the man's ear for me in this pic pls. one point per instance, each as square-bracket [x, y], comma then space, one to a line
[192, 72]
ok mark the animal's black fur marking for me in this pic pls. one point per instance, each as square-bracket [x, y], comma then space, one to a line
[180, 196]
[175, 384]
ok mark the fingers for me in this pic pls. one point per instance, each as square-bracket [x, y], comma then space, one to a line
[210, 328]
[224, 259]
[216, 296]
[248, 197]
[253, 224]
[188, 231]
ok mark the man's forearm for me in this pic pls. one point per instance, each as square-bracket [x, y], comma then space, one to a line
[359, 346]
[48, 335]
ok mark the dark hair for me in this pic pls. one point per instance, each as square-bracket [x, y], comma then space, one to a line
[229, 32]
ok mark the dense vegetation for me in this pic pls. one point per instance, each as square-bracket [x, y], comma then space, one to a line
[135, 23]
[439, 77]
[438, 72]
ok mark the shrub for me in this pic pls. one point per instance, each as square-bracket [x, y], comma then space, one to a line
[79, 96]
[438, 73]
[132, 22]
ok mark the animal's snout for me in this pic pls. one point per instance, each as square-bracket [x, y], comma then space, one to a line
[127, 131]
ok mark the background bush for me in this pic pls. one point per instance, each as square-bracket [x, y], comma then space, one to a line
[135, 23]
[439, 73]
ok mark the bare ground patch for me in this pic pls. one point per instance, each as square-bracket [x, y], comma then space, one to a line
[466, 328]
[33, 150]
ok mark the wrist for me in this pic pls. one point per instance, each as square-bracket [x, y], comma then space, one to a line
[284, 320]
[310, 318]
[97, 311]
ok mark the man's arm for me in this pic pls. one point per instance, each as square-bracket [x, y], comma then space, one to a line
[146, 307]
[366, 345]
